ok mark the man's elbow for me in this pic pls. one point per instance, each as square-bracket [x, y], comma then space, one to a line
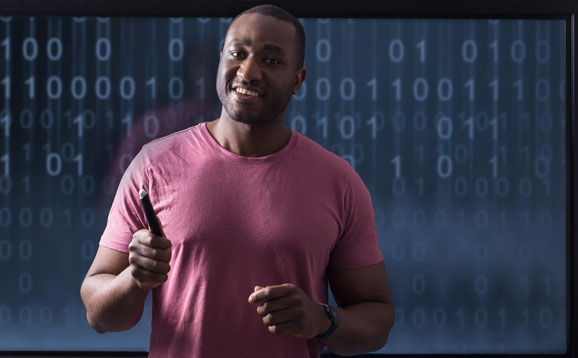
[85, 295]
[101, 326]
[385, 326]
[94, 324]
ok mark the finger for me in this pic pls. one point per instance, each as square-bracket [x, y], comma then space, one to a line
[271, 292]
[257, 288]
[283, 328]
[146, 277]
[278, 304]
[283, 316]
[149, 264]
[163, 255]
[289, 328]
[147, 238]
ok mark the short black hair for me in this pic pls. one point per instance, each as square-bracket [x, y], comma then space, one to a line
[278, 13]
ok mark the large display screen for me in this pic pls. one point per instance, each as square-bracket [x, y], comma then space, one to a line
[457, 128]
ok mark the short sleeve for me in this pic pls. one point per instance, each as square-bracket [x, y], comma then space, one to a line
[357, 246]
[126, 215]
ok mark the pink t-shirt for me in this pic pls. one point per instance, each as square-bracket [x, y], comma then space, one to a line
[235, 223]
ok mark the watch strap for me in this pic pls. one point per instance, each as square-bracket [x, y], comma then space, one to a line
[333, 317]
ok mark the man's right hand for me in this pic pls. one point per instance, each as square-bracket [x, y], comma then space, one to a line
[149, 257]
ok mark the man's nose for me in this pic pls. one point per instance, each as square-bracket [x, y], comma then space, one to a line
[250, 70]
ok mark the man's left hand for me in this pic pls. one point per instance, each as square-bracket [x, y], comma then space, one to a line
[286, 309]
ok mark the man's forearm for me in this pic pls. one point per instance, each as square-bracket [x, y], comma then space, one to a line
[113, 303]
[364, 328]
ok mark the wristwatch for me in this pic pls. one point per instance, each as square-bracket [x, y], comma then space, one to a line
[333, 317]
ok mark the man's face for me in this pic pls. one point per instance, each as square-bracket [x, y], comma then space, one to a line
[257, 72]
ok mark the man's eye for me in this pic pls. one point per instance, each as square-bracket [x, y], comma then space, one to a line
[273, 61]
[236, 54]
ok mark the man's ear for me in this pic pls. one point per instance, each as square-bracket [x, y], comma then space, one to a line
[299, 79]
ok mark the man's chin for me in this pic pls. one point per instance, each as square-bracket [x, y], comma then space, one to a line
[255, 120]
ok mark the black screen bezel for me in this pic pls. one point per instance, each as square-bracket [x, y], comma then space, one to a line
[410, 9]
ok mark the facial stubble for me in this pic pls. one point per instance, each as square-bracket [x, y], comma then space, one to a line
[271, 108]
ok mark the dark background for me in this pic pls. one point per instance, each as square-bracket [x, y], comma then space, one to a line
[473, 269]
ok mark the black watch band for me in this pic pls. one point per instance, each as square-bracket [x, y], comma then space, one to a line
[333, 317]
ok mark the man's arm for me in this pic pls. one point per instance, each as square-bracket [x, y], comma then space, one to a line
[116, 285]
[365, 310]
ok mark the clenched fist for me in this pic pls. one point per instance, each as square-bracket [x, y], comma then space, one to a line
[149, 257]
[286, 309]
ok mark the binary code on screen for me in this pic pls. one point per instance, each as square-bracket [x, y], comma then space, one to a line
[457, 128]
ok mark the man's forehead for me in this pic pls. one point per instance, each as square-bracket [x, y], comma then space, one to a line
[250, 29]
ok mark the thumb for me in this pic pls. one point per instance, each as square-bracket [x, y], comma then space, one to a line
[257, 288]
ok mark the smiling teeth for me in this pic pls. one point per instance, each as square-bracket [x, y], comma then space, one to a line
[246, 92]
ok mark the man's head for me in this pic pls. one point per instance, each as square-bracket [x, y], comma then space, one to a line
[261, 65]
[280, 14]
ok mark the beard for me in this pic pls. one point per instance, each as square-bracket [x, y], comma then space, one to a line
[269, 111]
[261, 118]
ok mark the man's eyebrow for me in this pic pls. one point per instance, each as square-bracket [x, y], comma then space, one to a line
[240, 43]
[266, 47]
[274, 48]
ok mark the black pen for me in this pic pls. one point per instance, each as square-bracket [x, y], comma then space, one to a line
[153, 221]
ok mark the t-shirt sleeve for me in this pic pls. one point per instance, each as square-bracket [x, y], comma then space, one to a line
[126, 215]
[358, 245]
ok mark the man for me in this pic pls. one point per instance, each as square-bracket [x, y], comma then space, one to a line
[256, 218]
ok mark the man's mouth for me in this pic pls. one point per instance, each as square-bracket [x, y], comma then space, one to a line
[247, 92]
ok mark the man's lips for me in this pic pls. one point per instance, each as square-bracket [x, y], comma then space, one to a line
[248, 91]
[246, 94]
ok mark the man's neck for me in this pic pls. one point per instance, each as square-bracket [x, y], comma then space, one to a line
[249, 141]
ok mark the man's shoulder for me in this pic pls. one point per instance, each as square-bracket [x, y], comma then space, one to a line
[321, 156]
[178, 149]
[174, 143]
